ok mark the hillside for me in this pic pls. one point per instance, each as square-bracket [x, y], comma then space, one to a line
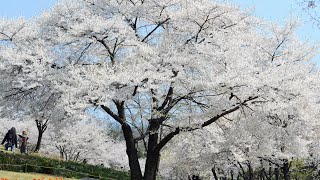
[36, 164]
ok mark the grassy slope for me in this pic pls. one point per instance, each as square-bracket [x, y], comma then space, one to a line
[26, 176]
[6, 157]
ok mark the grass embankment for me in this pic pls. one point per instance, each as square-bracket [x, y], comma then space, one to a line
[9, 175]
[35, 164]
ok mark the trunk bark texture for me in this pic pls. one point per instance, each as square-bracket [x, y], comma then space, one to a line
[134, 164]
[153, 154]
[286, 170]
[40, 133]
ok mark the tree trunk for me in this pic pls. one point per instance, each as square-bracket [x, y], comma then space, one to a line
[276, 173]
[250, 171]
[231, 173]
[131, 150]
[153, 155]
[40, 133]
[132, 153]
[61, 155]
[151, 167]
[41, 126]
[261, 173]
[270, 170]
[214, 173]
[286, 170]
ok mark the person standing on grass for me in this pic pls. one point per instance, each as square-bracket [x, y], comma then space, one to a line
[24, 142]
[11, 139]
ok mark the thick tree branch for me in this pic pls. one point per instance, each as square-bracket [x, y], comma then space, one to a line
[215, 118]
[165, 140]
[112, 114]
[168, 99]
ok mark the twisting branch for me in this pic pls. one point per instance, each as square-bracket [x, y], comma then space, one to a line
[112, 114]
[210, 121]
[83, 51]
[107, 48]
[8, 37]
[175, 101]
[168, 98]
[201, 27]
[13, 34]
[165, 140]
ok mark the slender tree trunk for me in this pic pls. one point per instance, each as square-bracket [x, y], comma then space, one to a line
[61, 155]
[40, 133]
[231, 173]
[261, 173]
[276, 173]
[270, 170]
[214, 173]
[251, 175]
[42, 127]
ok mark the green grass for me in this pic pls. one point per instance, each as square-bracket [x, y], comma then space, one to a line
[26, 176]
[36, 164]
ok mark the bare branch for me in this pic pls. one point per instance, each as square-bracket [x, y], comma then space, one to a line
[112, 114]
[168, 98]
[159, 24]
[83, 51]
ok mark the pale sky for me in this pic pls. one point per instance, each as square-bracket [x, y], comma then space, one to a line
[280, 11]
[25, 8]
[273, 10]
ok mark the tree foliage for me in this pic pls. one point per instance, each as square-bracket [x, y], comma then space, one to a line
[163, 68]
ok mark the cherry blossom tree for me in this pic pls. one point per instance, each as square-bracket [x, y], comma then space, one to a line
[160, 68]
[37, 103]
[86, 140]
[21, 90]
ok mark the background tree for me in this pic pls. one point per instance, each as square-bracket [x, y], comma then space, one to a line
[87, 140]
[21, 89]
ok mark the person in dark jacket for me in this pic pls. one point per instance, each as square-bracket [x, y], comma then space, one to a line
[11, 139]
